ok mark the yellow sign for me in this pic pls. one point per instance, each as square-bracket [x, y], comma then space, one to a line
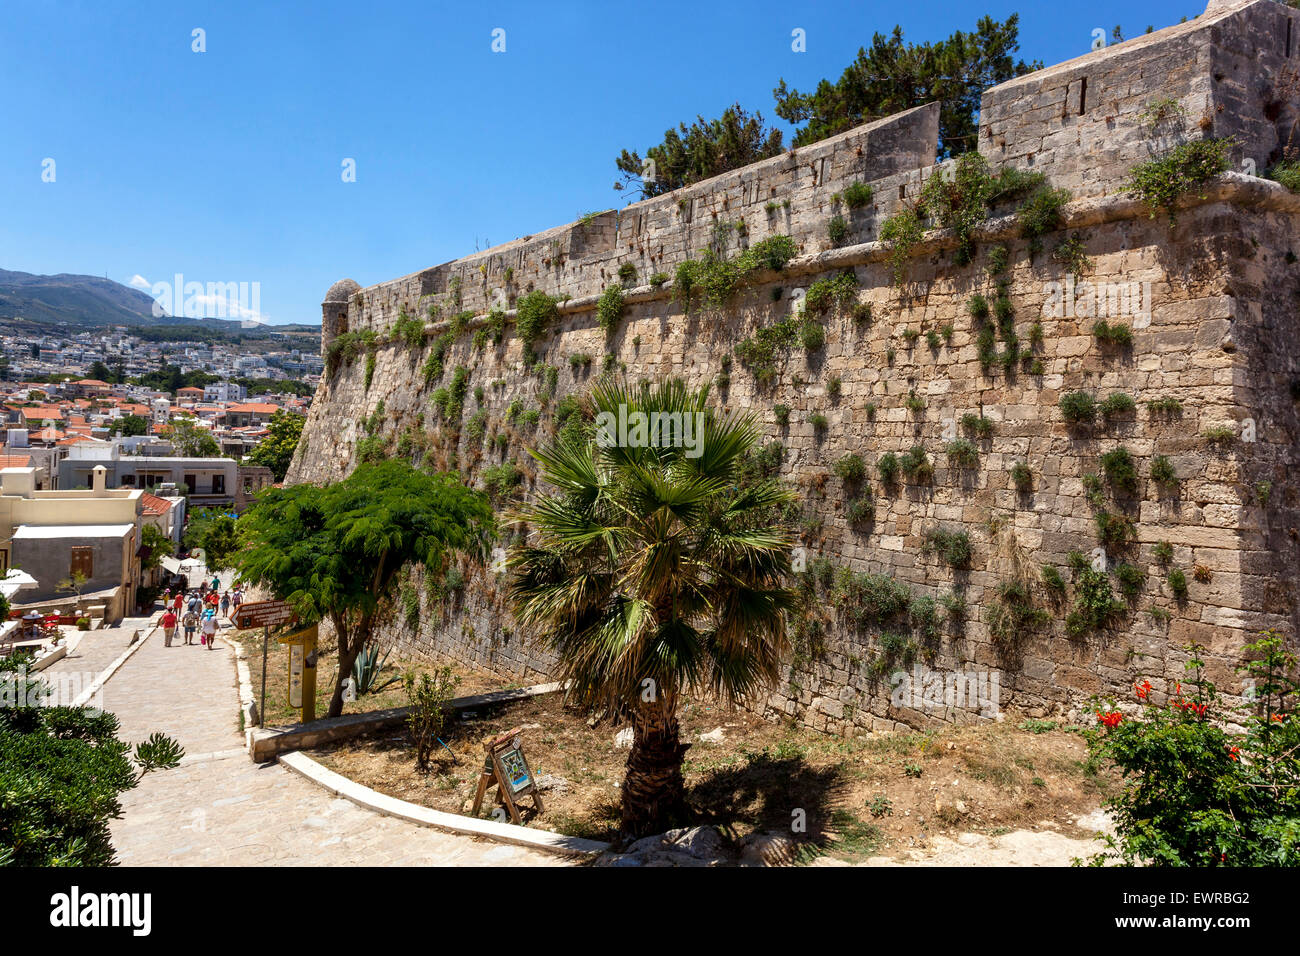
[302, 672]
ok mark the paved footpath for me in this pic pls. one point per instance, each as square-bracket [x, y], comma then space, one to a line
[218, 808]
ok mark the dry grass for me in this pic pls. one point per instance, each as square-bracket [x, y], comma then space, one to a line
[879, 794]
[278, 710]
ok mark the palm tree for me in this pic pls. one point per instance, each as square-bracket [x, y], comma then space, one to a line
[655, 570]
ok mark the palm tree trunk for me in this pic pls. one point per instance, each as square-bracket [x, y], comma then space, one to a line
[653, 789]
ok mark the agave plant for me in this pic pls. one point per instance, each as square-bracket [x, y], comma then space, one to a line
[656, 570]
[367, 669]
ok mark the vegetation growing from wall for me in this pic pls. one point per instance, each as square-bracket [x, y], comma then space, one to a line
[1160, 183]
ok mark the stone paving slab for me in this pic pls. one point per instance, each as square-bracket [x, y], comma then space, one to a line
[220, 809]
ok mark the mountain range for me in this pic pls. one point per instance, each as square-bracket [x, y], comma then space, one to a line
[92, 302]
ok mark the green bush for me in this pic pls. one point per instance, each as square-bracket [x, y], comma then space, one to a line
[1094, 604]
[857, 194]
[62, 770]
[1177, 582]
[1117, 404]
[1194, 793]
[1042, 212]
[1114, 531]
[839, 291]
[1021, 477]
[812, 335]
[962, 454]
[1160, 183]
[850, 468]
[1013, 618]
[900, 233]
[1120, 471]
[837, 229]
[1078, 408]
[953, 546]
[1117, 335]
[427, 696]
[977, 425]
[861, 509]
[1162, 471]
[916, 465]
[887, 467]
[534, 314]
[1288, 174]
[609, 308]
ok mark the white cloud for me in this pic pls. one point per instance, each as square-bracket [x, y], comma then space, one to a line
[140, 282]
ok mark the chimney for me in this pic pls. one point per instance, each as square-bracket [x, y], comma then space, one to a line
[98, 484]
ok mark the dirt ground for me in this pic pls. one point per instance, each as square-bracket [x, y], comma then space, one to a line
[898, 797]
[278, 710]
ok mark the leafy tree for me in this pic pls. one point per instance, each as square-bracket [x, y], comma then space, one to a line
[131, 425]
[891, 76]
[1194, 793]
[61, 772]
[651, 572]
[219, 539]
[705, 148]
[170, 378]
[189, 439]
[276, 450]
[157, 544]
[337, 552]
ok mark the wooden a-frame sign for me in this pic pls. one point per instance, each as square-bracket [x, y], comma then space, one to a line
[506, 768]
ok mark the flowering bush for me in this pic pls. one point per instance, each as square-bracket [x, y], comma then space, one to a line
[1195, 794]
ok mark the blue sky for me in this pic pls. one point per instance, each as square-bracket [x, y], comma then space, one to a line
[225, 166]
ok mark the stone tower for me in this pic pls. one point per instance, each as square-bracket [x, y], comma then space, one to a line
[334, 312]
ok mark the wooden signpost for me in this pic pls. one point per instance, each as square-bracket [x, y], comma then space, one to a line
[263, 614]
[302, 672]
[506, 768]
[268, 614]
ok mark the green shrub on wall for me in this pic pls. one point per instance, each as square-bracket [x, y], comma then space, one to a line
[1160, 183]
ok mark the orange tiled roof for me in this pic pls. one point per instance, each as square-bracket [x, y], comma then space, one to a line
[253, 407]
[42, 412]
[15, 461]
[153, 505]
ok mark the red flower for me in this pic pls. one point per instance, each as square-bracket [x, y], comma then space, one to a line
[1233, 752]
[1111, 719]
[1279, 718]
[1143, 689]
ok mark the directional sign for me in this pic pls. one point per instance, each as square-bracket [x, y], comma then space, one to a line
[263, 614]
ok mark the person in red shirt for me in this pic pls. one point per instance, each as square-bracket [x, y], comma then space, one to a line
[212, 599]
[176, 605]
[168, 622]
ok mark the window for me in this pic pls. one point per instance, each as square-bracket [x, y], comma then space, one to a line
[82, 562]
[218, 484]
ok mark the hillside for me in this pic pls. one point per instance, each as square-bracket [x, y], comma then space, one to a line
[75, 299]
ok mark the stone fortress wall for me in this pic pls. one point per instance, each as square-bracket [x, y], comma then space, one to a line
[1217, 335]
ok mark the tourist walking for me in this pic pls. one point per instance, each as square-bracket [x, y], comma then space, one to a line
[225, 604]
[178, 602]
[209, 627]
[168, 622]
[195, 605]
[191, 624]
